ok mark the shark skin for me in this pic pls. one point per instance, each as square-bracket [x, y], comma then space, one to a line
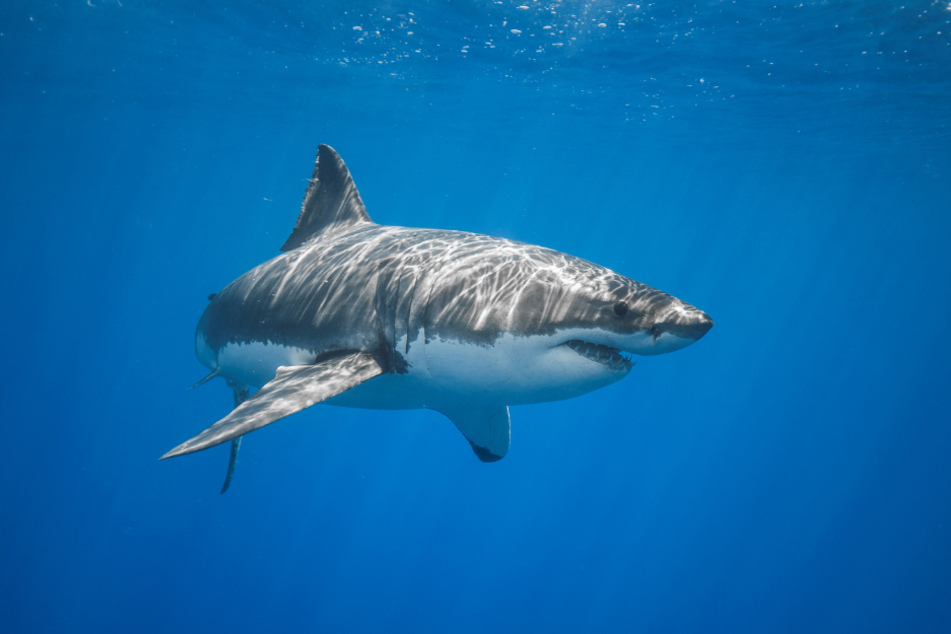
[357, 314]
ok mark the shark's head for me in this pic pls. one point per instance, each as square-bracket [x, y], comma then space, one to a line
[620, 313]
[560, 326]
[632, 318]
[600, 314]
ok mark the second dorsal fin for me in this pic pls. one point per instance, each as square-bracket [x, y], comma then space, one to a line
[330, 202]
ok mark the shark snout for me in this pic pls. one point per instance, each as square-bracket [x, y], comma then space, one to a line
[692, 327]
[675, 330]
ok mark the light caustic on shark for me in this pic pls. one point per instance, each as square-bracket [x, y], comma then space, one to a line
[364, 315]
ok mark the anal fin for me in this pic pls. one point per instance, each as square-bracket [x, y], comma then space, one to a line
[293, 388]
[487, 428]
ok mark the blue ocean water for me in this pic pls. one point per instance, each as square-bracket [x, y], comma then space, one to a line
[786, 168]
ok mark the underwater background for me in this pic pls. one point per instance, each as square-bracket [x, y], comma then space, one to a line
[786, 168]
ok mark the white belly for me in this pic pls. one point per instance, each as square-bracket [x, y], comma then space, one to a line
[514, 371]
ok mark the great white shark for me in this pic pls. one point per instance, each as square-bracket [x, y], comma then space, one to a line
[364, 315]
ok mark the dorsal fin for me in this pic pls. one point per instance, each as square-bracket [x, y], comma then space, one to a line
[330, 202]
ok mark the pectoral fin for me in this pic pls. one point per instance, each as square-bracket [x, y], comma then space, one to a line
[486, 428]
[293, 389]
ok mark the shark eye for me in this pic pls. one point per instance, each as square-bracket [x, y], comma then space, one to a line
[620, 309]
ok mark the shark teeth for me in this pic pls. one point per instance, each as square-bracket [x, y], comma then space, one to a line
[605, 355]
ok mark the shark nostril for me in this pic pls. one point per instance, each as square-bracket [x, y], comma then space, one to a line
[693, 329]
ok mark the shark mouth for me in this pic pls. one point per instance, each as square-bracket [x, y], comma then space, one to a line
[605, 355]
